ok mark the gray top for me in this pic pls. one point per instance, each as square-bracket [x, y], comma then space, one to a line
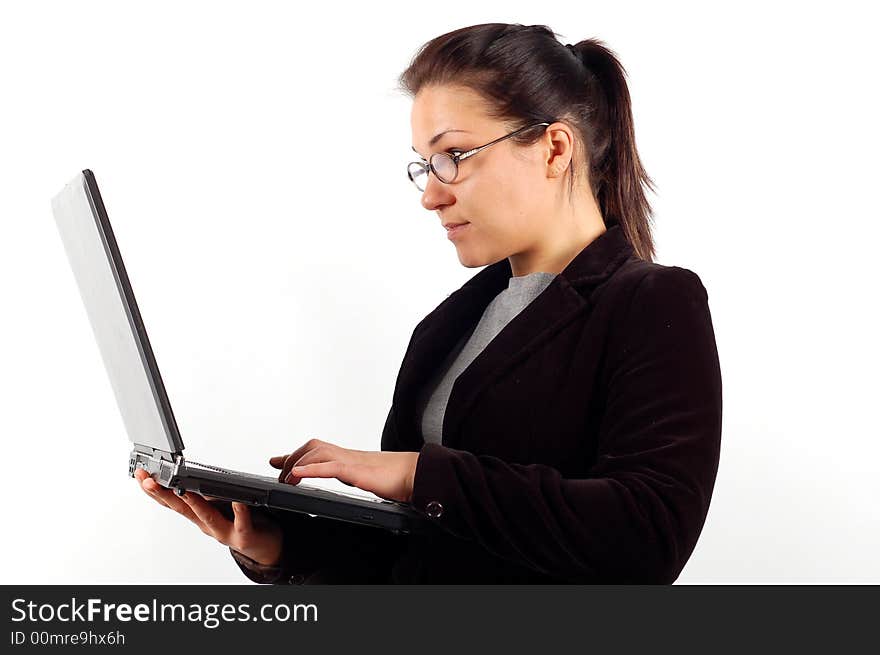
[504, 307]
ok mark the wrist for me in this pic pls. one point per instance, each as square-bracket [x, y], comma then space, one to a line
[269, 553]
[411, 478]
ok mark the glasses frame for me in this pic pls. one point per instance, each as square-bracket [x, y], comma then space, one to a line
[430, 167]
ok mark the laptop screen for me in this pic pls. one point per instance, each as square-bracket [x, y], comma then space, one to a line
[112, 310]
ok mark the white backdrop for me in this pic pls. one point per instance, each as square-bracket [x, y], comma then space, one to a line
[251, 156]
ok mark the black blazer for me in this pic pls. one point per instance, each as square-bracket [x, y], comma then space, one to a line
[581, 445]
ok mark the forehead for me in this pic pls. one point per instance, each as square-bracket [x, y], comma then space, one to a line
[437, 109]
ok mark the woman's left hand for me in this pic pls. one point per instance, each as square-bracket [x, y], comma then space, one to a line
[387, 474]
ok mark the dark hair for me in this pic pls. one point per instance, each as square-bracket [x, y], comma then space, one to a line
[527, 76]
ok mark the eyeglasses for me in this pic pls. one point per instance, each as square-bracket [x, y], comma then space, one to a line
[445, 165]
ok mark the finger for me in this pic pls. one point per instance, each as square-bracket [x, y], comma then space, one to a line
[334, 469]
[325, 452]
[294, 457]
[291, 479]
[170, 500]
[215, 524]
[312, 457]
[331, 452]
[345, 457]
[145, 479]
[150, 487]
[243, 524]
[285, 462]
[279, 460]
[154, 497]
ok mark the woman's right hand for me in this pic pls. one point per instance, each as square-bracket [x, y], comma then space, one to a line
[259, 540]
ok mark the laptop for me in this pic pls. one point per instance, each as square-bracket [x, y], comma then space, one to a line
[157, 446]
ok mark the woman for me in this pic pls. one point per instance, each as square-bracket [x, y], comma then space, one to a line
[558, 417]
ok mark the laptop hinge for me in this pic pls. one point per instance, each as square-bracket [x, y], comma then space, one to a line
[154, 461]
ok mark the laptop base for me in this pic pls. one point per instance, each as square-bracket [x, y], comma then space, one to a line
[174, 472]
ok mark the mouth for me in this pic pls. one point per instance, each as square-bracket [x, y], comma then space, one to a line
[454, 230]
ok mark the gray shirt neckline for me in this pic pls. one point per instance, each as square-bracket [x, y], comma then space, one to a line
[521, 290]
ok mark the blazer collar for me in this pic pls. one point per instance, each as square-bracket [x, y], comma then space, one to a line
[567, 296]
[592, 265]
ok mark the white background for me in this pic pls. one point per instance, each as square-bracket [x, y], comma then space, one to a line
[251, 157]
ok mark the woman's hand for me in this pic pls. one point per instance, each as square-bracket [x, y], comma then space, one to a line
[252, 536]
[389, 475]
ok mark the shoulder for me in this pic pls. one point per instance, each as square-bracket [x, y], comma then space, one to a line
[641, 298]
[638, 280]
[658, 316]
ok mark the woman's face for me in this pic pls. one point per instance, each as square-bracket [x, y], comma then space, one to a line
[502, 193]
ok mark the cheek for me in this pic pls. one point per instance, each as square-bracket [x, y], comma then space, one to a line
[514, 211]
[503, 204]
[505, 195]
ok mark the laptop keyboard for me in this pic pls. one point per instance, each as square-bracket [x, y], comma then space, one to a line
[252, 476]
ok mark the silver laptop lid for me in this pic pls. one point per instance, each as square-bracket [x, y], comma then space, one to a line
[116, 322]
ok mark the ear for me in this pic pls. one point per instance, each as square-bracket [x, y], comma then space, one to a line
[559, 141]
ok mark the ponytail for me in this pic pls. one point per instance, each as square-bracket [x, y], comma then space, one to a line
[617, 175]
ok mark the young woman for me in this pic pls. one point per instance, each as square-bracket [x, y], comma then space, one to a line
[559, 416]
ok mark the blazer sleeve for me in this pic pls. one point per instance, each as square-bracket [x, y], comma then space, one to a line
[635, 517]
[316, 550]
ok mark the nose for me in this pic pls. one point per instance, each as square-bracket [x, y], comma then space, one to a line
[436, 194]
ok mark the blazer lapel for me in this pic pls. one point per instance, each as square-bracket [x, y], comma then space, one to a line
[556, 306]
[435, 337]
[565, 298]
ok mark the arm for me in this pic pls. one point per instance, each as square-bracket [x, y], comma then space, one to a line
[637, 514]
[316, 550]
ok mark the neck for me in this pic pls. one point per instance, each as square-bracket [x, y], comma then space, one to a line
[562, 240]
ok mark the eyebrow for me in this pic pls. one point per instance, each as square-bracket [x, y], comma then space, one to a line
[434, 140]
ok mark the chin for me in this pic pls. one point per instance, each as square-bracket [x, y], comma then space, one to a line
[471, 260]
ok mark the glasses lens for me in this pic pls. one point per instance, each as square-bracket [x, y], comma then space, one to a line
[444, 167]
[418, 173]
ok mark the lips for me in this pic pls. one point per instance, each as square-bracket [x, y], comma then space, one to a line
[455, 230]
